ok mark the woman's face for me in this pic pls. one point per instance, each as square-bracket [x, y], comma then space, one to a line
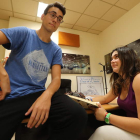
[115, 62]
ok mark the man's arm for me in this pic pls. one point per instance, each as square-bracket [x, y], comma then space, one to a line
[56, 79]
[3, 38]
[41, 107]
[4, 83]
[4, 78]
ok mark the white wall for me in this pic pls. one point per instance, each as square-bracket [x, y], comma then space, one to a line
[3, 24]
[122, 32]
[89, 45]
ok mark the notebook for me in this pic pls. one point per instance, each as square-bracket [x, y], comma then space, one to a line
[83, 102]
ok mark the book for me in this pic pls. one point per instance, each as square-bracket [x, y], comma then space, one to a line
[83, 102]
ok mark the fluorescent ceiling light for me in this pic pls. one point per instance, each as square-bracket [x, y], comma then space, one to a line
[41, 7]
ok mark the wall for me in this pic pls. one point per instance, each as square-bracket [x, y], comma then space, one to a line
[3, 24]
[89, 45]
[122, 32]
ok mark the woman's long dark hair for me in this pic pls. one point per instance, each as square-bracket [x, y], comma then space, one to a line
[130, 66]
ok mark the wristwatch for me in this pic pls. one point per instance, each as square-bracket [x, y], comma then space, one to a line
[107, 118]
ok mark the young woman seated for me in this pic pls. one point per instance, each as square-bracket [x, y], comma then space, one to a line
[125, 84]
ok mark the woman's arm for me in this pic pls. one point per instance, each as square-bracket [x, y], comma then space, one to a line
[127, 123]
[106, 98]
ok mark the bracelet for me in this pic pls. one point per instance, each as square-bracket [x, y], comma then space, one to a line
[105, 115]
[107, 118]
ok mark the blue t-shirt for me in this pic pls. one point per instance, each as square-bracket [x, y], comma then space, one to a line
[30, 60]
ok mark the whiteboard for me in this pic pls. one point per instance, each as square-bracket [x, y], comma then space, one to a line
[90, 85]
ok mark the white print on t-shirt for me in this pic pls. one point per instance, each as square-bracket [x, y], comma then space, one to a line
[36, 65]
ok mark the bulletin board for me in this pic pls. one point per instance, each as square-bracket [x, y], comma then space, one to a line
[68, 39]
[90, 85]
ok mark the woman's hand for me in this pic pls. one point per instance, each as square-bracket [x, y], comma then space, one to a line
[99, 112]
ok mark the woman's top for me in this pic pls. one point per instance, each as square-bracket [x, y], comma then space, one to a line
[129, 103]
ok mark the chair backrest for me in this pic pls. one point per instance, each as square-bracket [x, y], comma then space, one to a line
[65, 84]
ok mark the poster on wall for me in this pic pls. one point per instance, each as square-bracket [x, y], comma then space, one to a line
[75, 64]
[90, 85]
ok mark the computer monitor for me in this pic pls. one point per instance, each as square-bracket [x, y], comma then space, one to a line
[108, 63]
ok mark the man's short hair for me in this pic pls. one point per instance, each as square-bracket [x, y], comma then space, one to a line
[56, 4]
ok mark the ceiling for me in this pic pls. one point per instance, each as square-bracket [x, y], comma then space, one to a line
[92, 16]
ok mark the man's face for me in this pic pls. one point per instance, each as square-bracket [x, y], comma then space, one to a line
[51, 20]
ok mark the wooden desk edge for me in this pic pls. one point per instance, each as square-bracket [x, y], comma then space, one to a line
[25, 120]
[107, 107]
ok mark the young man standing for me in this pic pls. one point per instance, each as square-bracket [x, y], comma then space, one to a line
[33, 53]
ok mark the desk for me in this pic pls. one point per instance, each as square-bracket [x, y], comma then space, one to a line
[108, 107]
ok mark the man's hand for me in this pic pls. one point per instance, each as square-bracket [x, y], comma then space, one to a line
[40, 110]
[5, 86]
